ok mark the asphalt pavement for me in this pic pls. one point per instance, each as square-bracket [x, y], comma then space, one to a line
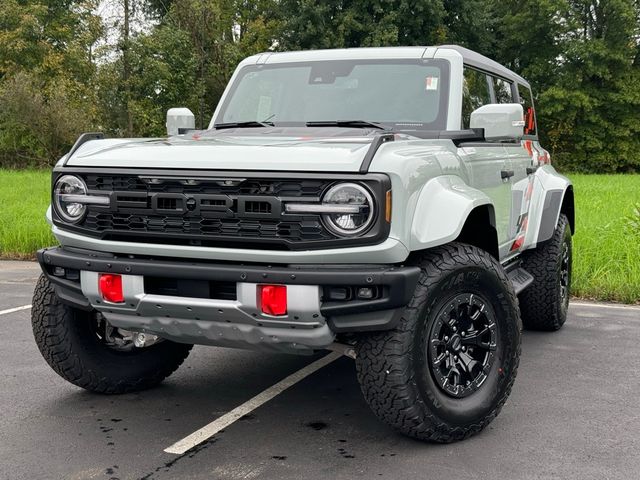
[574, 413]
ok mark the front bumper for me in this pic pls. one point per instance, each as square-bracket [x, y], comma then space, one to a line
[311, 322]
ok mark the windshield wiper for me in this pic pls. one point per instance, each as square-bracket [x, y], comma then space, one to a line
[248, 124]
[348, 124]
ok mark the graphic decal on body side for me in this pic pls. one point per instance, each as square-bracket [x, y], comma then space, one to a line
[526, 187]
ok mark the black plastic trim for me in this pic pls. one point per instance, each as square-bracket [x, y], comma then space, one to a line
[385, 320]
[373, 148]
[550, 211]
[463, 136]
[398, 282]
[68, 291]
[85, 137]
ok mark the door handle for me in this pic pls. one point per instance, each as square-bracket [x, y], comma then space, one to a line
[506, 174]
[531, 170]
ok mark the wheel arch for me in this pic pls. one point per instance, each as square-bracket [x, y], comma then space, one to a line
[556, 197]
[568, 208]
[480, 231]
[449, 210]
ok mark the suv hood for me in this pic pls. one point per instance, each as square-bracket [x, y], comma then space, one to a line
[231, 151]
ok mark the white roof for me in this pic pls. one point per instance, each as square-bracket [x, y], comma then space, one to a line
[470, 57]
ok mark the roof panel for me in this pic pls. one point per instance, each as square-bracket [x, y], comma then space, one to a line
[470, 57]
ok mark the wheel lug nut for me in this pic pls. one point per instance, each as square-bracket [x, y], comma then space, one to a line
[455, 357]
[462, 334]
[446, 339]
[464, 349]
[455, 329]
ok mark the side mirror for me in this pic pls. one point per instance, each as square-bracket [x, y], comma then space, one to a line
[504, 121]
[180, 121]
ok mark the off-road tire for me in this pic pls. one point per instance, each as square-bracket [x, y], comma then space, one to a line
[69, 345]
[392, 368]
[541, 303]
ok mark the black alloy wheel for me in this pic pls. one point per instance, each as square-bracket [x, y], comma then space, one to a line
[462, 344]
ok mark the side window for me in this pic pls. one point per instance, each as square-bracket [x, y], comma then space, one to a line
[475, 93]
[526, 100]
[502, 90]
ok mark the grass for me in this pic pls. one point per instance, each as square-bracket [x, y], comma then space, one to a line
[606, 244]
[607, 240]
[24, 197]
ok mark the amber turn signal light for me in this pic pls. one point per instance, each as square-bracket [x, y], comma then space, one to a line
[387, 211]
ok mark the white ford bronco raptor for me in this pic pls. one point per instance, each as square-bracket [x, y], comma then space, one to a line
[391, 201]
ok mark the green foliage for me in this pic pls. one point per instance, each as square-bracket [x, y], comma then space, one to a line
[606, 251]
[40, 120]
[48, 37]
[582, 58]
[164, 73]
[591, 108]
[23, 227]
[358, 23]
[46, 73]
[633, 222]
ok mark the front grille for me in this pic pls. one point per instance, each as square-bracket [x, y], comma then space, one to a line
[205, 212]
[199, 209]
[278, 188]
[202, 231]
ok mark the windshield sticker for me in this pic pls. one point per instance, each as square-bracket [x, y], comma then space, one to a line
[431, 83]
[264, 108]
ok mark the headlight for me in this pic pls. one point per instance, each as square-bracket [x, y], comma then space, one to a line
[362, 209]
[64, 191]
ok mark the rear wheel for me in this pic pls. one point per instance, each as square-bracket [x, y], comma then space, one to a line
[84, 349]
[444, 373]
[545, 303]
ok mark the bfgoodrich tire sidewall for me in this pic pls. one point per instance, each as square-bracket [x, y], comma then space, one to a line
[479, 404]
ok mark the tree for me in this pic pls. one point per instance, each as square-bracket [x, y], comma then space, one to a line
[46, 70]
[60, 61]
[39, 120]
[593, 103]
[360, 23]
[48, 37]
[221, 33]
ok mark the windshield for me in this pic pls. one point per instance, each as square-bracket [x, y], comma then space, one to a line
[399, 94]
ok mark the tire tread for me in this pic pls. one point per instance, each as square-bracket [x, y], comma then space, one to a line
[51, 321]
[539, 303]
[386, 378]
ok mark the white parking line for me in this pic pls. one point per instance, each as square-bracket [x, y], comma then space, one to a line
[227, 419]
[17, 309]
[605, 305]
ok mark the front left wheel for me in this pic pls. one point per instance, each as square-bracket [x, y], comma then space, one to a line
[85, 350]
[446, 370]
